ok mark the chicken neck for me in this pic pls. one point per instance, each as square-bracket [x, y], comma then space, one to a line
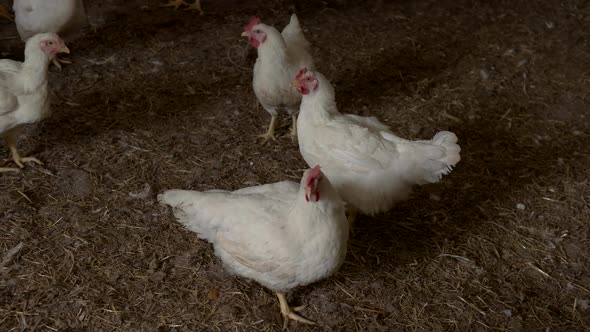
[34, 70]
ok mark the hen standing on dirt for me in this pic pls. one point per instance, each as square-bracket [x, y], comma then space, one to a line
[24, 95]
[370, 167]
[280, 55]
[282, 235]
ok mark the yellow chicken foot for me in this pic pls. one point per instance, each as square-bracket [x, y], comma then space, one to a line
[174, 3]
[294, 128]
[270, 133]
[9, 169]
[196, 6]
[58, 61]
[290, 313]
[4, 13]
[18, 160]
[178, 3]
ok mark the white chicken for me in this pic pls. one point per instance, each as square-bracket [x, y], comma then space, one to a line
[282, 235]
[367, 163]
[24, 96]
[64, 17]
[280, 56]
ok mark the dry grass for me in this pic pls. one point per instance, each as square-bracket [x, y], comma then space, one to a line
[158, 99]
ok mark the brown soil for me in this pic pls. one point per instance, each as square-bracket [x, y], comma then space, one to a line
[159, 99]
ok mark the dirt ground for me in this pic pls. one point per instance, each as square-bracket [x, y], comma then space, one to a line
[159, 99]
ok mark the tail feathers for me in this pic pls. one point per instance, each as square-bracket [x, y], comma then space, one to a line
[433, 158]
[294, 38]
[452, 154]
[188, 208]
[293, 28]
[175, 198]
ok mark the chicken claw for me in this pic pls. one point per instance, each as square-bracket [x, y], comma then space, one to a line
[196, 6]
[268, 136]
[4, 13]
[19, 161]
[175, 4]
[178, 3]
[270, 133]
[9, 169]
[290, 313]
[58, 61]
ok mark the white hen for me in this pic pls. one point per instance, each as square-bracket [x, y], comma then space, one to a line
[280, 56]
[64, 17]
[282, 235]
[367, 163]
[24, 97]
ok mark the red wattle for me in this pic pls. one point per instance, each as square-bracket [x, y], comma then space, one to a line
[303, 90]
[253, 41]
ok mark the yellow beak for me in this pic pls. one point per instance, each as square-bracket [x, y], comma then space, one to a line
[295, 84]
[64, 49]
[245, 34]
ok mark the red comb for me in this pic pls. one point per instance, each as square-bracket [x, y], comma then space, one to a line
[254, 21]
[301, 72]
[315, 172]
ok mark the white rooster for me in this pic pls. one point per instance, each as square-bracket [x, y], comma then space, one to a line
[24, 96]
[282, 235]
[367, 163]
[280, 56]
[64, 17]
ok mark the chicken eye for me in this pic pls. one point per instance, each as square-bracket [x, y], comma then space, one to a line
[309, 79]
[50, 43]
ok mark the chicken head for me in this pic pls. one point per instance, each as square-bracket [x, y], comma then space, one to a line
[314, 177]
[255, 34]
[51, 44]
[305, 81]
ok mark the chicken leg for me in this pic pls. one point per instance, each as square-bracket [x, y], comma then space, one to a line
[10, 137]
[352, 214]
[294, 128]
[4, 13]
[290, 313]
[177, 3]
[270, 133]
